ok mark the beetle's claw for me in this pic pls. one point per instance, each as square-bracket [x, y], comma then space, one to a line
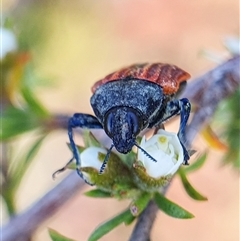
[185, 163]
[82, 176]
[102, 169]
[62, 169]
[59, 171]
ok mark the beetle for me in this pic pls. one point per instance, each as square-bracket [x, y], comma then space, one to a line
[130, 100]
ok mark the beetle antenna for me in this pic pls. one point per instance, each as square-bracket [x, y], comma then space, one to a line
[146, 153]
[106, 159]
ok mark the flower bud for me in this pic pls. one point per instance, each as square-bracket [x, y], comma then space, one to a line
[167, 150]
[92, 159]
[9, 43]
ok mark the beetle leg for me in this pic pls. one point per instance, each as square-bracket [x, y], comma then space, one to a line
[82, 121]
[185, 108]
[105, 160]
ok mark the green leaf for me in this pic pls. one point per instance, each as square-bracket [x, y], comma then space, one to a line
[137, 206]
[129, 220]
[109, 225]
[34, 149]
[80, 148]
[98, 193]
[21, 167]
[33, 104]
[170, 208]
[197, 164]
[189, 188]
[89, 139]
[16, 121]
[55, 236]
[92, 141]
[128, 159]
[232, 130]
[16, 172]
[226, 121]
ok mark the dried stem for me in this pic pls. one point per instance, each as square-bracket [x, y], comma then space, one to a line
[23, 225]
[206, 91]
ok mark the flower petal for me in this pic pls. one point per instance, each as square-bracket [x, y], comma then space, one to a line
[166, 148]
[90, 157]
[159, 168]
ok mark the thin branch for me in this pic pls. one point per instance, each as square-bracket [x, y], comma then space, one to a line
[205, 92]
[24, 224]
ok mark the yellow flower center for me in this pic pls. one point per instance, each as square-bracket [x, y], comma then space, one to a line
[162, 139]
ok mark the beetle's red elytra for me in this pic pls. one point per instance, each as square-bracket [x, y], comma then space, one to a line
[167, 76]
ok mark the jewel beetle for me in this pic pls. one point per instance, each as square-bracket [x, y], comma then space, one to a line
[130, 100]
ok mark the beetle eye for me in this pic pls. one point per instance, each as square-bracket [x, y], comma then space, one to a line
[108, 124]
[133, 122]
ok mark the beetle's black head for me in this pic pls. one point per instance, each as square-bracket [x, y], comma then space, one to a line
[122, 125]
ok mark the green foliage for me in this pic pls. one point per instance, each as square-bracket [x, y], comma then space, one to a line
[27, 113]
[119, 181]
[35, 35]
[21, 112]
[171, 208]
[98, 193]
[103, 229]
[16, 121]
[138, 205]
[55, 236]
[197, 164]
[194, 194]
[16, 171]
[227, 121]
[89, 139]
[232, 130]
[33, 105]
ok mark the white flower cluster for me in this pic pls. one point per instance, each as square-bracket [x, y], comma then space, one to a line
[164, 147]
[8, 42]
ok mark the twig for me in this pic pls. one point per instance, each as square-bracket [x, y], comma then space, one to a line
[24, 224]
[205, 92]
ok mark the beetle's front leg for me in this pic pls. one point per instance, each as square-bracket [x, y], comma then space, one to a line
[82, 121]
[185, 109]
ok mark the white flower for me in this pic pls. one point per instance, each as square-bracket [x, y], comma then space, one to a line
[166, 149]
[90, 157]
[8, 42]
[232, 44]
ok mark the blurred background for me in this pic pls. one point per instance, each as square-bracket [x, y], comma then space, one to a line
[74, 43]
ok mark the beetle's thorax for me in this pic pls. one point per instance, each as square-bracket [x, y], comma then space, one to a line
[140, 95]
